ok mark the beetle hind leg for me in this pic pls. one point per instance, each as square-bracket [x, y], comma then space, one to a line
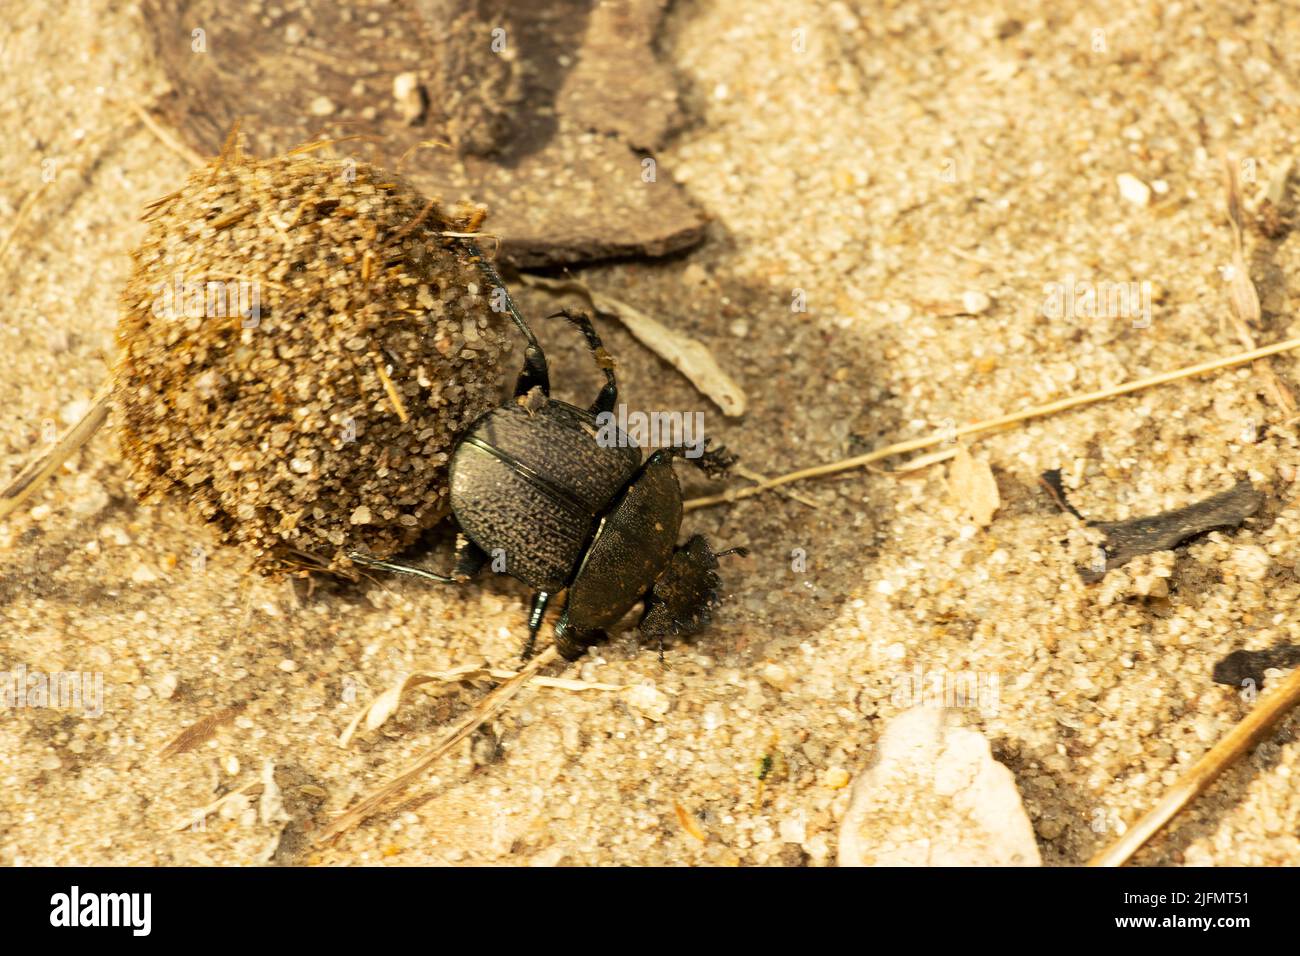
[681, 601]
[535, 615]
[470, 558]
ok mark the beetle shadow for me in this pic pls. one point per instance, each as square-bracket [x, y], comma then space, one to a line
[813, 394]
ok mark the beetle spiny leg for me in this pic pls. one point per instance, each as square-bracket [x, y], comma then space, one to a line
[370, 561]
[535, 615]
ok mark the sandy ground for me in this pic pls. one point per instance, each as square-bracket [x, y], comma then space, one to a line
[880, 164]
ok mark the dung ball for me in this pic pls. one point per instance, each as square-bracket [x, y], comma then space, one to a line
[299, 348]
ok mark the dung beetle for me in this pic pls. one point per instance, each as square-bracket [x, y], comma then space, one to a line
[532, 485]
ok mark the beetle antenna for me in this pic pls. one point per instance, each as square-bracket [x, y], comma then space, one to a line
[535, 373]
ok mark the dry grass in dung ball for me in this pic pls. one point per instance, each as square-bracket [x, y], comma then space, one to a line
[299, 349]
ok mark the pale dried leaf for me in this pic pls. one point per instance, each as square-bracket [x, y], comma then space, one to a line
[685, 354]
[1243, 297]
[972, 485]
[688, 822]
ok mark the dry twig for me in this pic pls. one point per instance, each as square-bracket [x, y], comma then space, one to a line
[1193, 783]
[488, 707]
[992, 424]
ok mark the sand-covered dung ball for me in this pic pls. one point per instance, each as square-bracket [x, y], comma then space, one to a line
[298, 350]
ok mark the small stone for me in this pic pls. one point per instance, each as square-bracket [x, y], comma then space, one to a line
[694, 274]
[322, 106]
[1133, 189]
[975, 302]
[288, 666]
[74, 411]
[1251, 562]
[231, 765]
[935, 797]
[646, 701]
[143, 574]
[361, 515]
[167, 686]
[794, 828]
[777, 676]
[837, 778]
[408, 97]
[91, 499]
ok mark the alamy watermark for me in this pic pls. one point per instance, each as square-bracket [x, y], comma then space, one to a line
[980, 690]
[652, 430]
[1082, 299]
[61, 690]
[209, 299]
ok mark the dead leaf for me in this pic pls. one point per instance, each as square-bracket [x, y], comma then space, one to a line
[199, 732]
[688, 822]
[684, 353]
[972, 485]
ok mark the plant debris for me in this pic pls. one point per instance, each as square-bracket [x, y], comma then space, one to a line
[374, 714]
[546, 107]
[1051, 480]
[1127, 539]
[971, 484]
[200, 731]
[1243, 296]
[688, 822]
[1242, 666]
[682, 352]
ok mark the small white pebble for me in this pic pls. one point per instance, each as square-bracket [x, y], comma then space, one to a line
[74, 411]
[780, 678]
[143, 574]
[837, 778]
[647, 701]
[975, 302]
[1133, 190]
[167, 686]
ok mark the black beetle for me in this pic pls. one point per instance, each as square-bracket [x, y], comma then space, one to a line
[531, 483]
